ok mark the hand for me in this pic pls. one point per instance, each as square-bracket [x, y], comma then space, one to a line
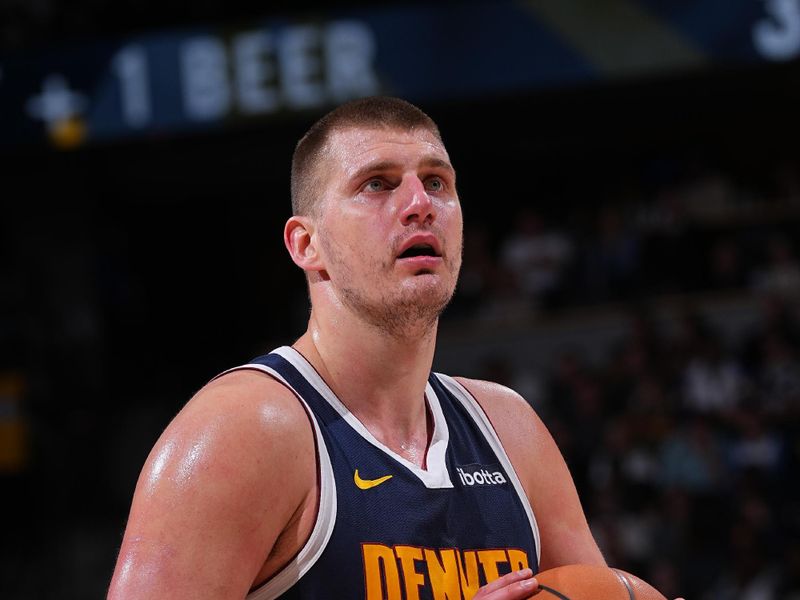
[514, 586]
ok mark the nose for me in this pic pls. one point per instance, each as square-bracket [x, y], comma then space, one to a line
[416, 206]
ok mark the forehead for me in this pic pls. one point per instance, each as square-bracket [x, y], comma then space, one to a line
[350, 149]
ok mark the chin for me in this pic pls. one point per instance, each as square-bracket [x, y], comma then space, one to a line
[427, 289]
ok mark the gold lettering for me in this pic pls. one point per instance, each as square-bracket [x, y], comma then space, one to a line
[379, 564]
[407, 556]
[453, 574]
[489, 560]
[518, 559]
[443, 574]
[468, 574]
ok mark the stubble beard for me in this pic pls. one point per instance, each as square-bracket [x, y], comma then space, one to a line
[410, 312]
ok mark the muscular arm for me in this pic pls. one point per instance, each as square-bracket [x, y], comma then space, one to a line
[226, 478]
[564, 532]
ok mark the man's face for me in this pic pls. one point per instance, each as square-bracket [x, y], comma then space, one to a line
[389, 225]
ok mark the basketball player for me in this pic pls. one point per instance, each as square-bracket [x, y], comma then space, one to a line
[340, 467]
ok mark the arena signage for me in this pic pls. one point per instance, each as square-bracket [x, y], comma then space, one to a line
[188, 80]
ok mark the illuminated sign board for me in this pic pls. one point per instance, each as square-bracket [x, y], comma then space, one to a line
[202, 79]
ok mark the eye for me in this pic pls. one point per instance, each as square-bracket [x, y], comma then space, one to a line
[434, 184]
[374, 185]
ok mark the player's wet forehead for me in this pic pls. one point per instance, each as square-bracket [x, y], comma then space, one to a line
[354, 151]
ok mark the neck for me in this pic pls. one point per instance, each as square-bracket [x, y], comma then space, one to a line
[381, 378]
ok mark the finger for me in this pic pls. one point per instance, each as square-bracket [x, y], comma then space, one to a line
[514, 585]
[519, 590]
[507, 579]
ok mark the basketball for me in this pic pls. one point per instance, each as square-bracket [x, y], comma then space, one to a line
[586, 582]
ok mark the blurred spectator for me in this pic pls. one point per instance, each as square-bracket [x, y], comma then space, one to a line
[781, 275]
[749, 574]
[576, 398]
[537, 256]
[779, 320]
[755, 446]
[612, 258]
[692, 457]
[478, 270]
[713, 382]
[635, 369]
[726, 270]
[709, 195]
[779, 376]
[486, 289]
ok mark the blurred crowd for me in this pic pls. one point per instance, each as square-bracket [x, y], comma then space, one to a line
[703, 230]
[684, 444]
[685, 452]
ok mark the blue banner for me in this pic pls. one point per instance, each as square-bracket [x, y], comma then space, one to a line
[210, 78]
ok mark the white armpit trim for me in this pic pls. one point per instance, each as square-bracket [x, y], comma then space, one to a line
[309, 554]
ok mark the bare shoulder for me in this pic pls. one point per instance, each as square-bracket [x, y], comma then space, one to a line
[229, 474]
[249, 402]
[244, 418]
[511, 415]
[238, 431]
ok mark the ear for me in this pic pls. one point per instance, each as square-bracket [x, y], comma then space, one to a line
[298, 236]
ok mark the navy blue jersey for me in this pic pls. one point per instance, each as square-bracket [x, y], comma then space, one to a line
[387, 529]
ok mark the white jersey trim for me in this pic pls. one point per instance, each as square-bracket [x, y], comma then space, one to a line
[436, 475]
[482, 420]
[309, 554]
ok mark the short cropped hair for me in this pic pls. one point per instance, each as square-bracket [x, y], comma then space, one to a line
[374, 112]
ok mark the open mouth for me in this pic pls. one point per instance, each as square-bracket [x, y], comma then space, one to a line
[419, 250]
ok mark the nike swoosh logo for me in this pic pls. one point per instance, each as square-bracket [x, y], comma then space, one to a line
[366, 484]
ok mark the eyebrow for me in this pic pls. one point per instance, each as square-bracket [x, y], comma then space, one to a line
[437, 163]
[389, 165]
